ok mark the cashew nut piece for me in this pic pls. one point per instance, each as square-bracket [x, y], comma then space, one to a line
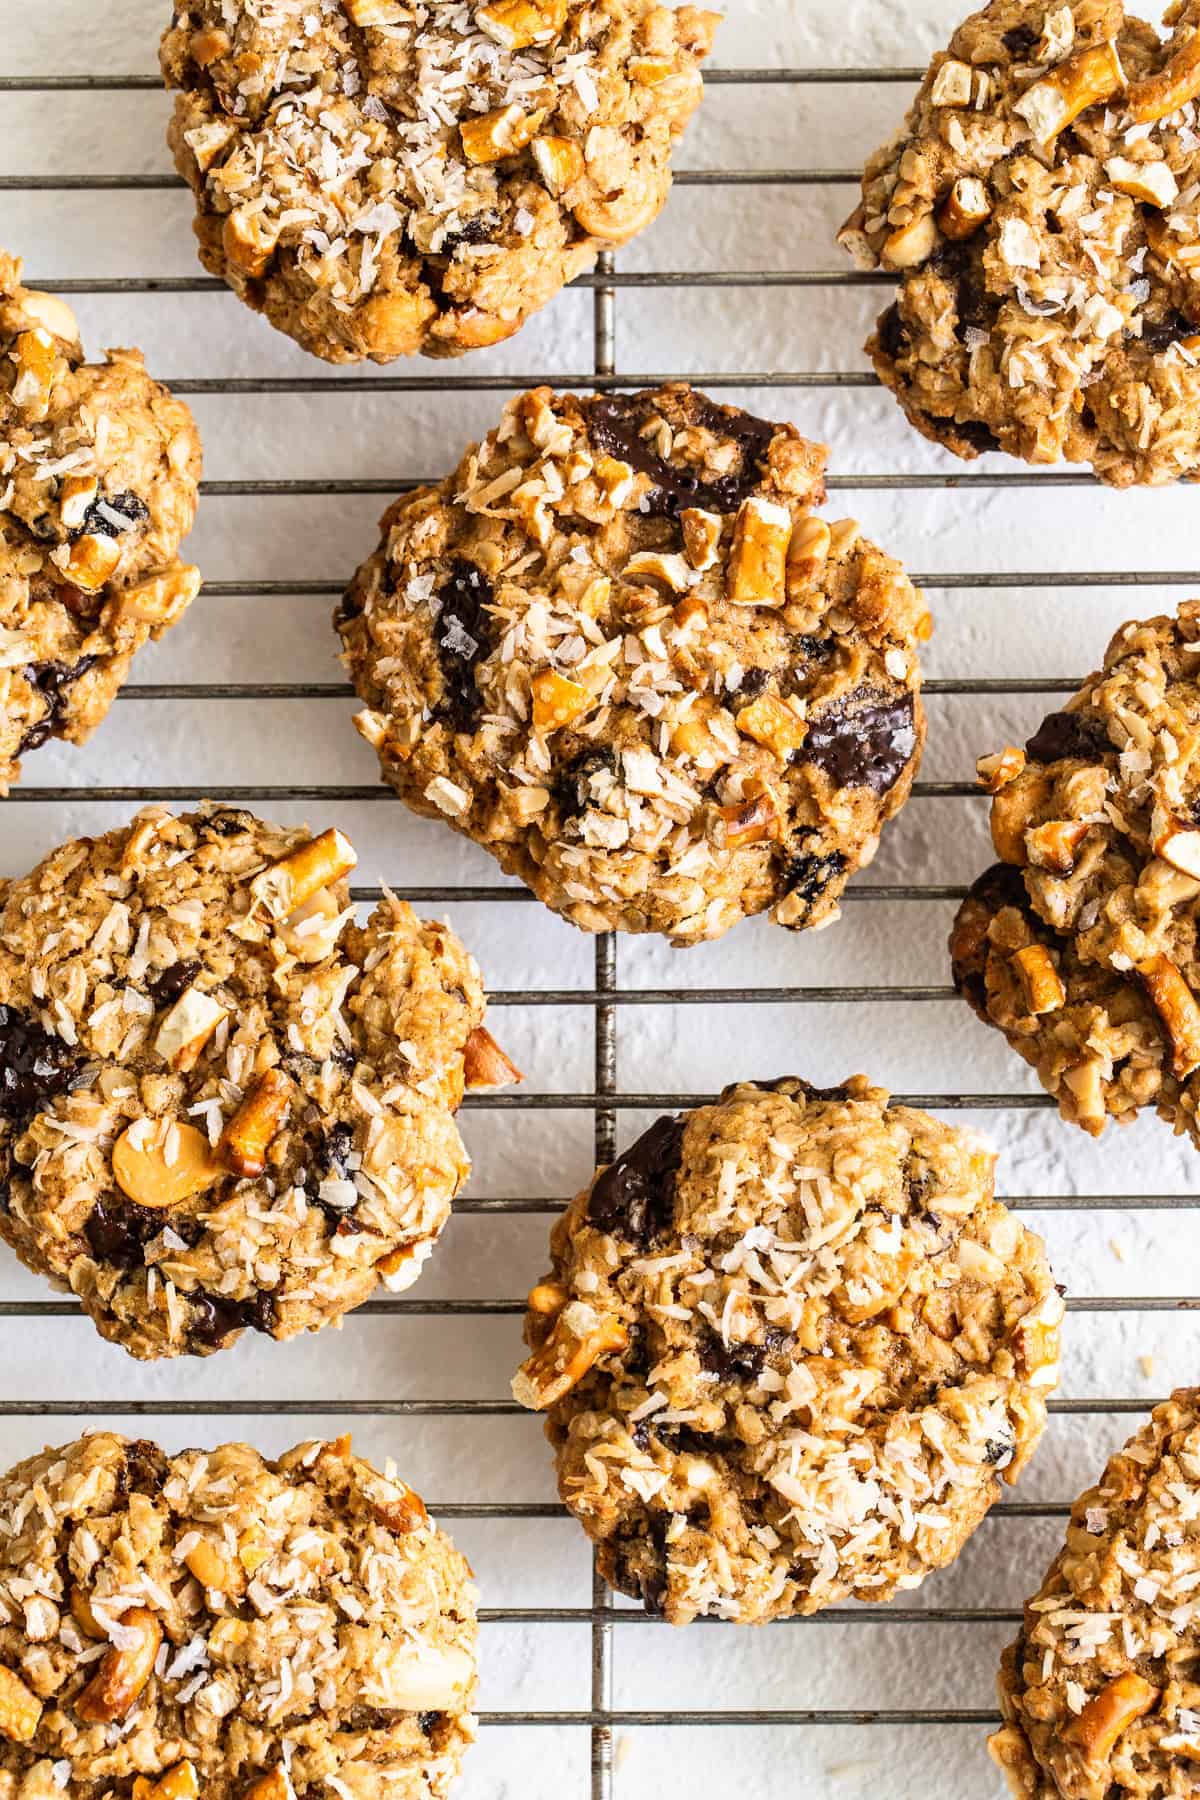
[122, 1673]
[20, 1708]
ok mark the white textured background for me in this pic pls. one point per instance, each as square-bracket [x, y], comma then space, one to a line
[1018, 630]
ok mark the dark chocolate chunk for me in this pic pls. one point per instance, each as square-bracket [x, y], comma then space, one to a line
[643, 1577]
[1068, 734]
[753, 682]
[795, 1084]
[429, 1721]
[981, 437]
[635, 1196]
[53, 681]
[1019, 40]
[893, 333]
[333, 1158]
[118, 1232]
[166, 988]
[866, 739]
[741, 1362]
[1160, 334]
[463, 640]
[216, 1316]
[809, 876]
[34, 1066]
[614, 423]
[130, 509]
[226, 822]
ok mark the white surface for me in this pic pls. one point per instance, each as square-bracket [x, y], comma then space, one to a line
[928, 1047]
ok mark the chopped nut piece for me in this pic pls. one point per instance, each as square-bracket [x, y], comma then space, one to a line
[1085, 80]
[1036, 1347]
[243, 1144]
[75, 496]
[771, 722]
[995, 772]
[51, 312]
[419, 1678]
[1170, 89]
[547, 1297]
[964, 209]
[248, 240]
[1110, 1712]
[557, 701]
[287, 884]
[750, 821]
[208, 47]
[313, 929]
[674, 572]
[951, 84]
[1040, 981]
[701, 536]
[911, 244]
[274, 1785]
[485, 1064]
[579, 1339]
[393, 324]
[401, 1511]
[1175, 1004]
[36, 357]
[1153, 183]
[214, 1568]
[758, 561]
[91, 561]
[518, 23]
[187, 1028]
[374, 12]
[559, 162]
[1179, 845]
[807, 555]
[179, 1783]
[159, 600]
[20, 1708]
[495, 135]
[1055, 845]
[206, 142]
[122, 1673]
[158, 1163]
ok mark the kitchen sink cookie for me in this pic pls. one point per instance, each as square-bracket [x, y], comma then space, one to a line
[1099, 1693]
[217, 1625]
[788, 1347]
[1039, 207]
[99, 471]
[619, 650]
[381, 178]
[223, 1103]
[1081, 944]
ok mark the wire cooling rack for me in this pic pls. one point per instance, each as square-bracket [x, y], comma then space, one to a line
[607, 997]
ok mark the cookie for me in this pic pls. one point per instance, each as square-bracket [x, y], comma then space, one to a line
[216, 1624]
[1081, 944]
[99, 472]
[380, 178]
[788, 1347]
[1039, 208]
[1099, 1692]
[223, 1103]
[620, 650]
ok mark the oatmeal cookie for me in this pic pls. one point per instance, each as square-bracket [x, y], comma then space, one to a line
[619, 650]
[99, 472]
[216, 1625]
[1100, 1692]
[788, 1346]
[1081, 944]
[1040, 208]
[381, 178]
[223, 1103]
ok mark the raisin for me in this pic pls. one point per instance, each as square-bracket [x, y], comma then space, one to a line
[143, 1471]
[893, 333]
[981, 437]
[133, 511]
[429, 1721]
[166, 988]
[866, 739]
[1019, 40]
[997, 1453]
[216, 1316]
[53, 681]
[226, 822]
[1067, 734]
[481, 228]
[614, 424]
[752, 683]
[34, 1066]
[808, 876]
[636, 1194]
[462, 633]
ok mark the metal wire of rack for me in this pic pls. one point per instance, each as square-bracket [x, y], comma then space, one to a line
[606, 998]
